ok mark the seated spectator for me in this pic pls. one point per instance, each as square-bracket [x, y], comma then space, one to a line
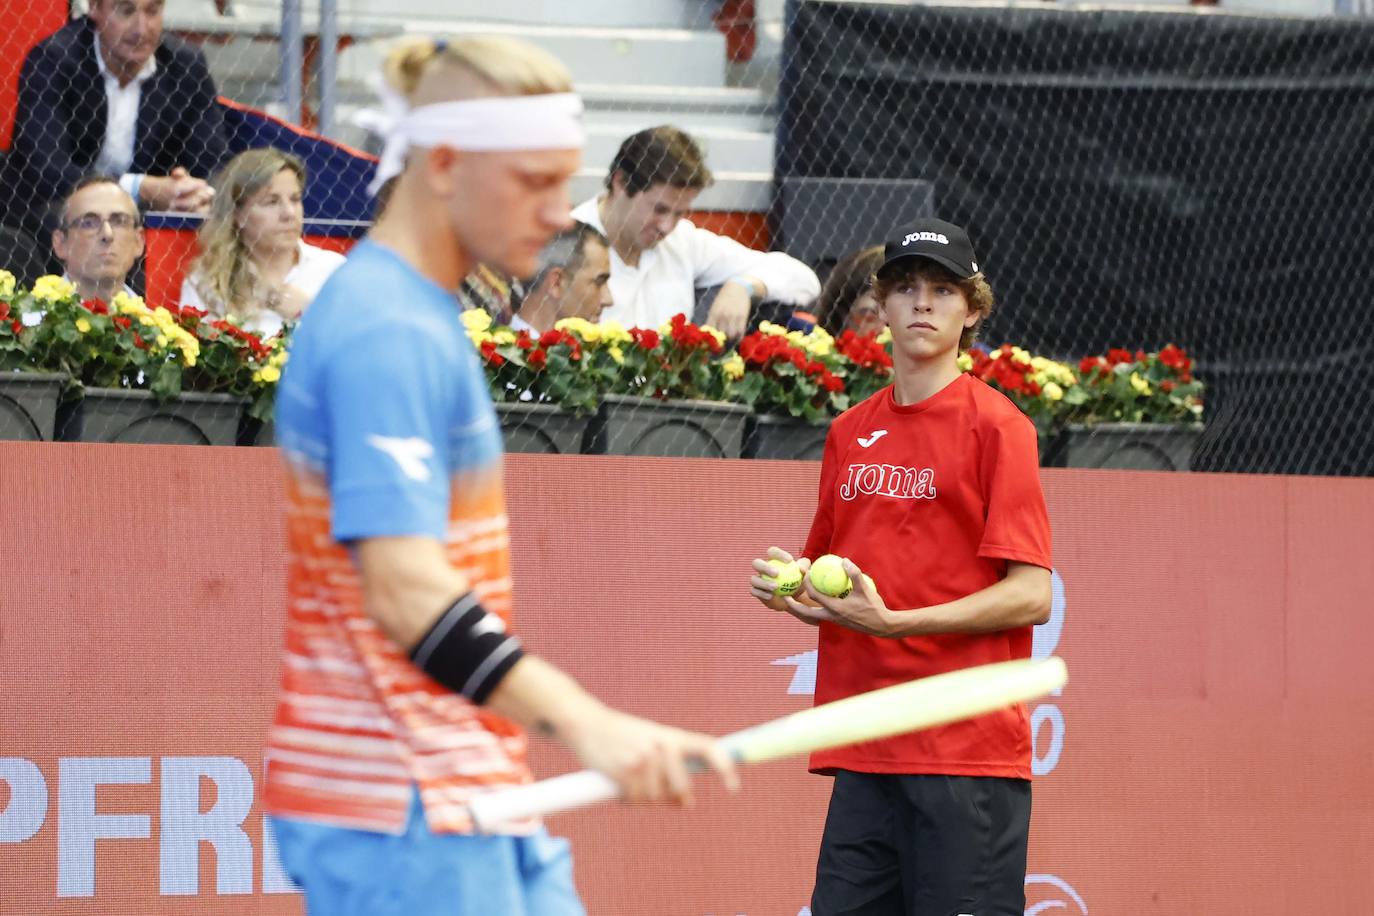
[99, 238]
[659, 259]
[109, 93]
[571, 282]
[253, 266]
[846, 302]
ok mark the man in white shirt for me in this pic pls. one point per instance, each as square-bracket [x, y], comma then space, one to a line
[573, 281]
[659, 259]
[99, 238]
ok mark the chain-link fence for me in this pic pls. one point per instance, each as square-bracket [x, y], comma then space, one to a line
[1134, 180]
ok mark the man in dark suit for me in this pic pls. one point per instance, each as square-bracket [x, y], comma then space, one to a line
[111, 94]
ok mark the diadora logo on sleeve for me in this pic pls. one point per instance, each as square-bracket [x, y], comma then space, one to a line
[925, 237]
[888, 480]
[411, 454]
[872, 437]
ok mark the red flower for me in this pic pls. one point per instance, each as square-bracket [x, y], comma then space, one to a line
[139, 341]
[122, 322]
[1089, 364]
[17, 326]
[645, 338]
[4, 311]
[95, 306]
[1175, 359]
[538, 359]
[1167, 385]
[1116, 356]
[489, 353]
[523, 340]
[831, 382]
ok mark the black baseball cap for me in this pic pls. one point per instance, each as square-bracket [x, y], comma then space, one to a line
[944, 243]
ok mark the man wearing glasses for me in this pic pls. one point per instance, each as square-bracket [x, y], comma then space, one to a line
[98, 238]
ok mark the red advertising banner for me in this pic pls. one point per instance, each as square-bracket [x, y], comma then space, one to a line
[1211, 753]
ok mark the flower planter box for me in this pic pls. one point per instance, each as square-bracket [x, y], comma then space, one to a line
[666, 429]
[258, 433]
[28, 405]
[784, 438]
[117, 415]
[1126, 446]
[541, 429]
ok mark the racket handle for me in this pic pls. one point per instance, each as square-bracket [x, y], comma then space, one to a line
[550, 796]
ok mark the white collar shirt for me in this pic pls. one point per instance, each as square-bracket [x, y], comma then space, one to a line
[689, 258]
[121, 119]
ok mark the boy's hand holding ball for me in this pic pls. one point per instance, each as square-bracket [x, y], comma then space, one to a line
[829, 577]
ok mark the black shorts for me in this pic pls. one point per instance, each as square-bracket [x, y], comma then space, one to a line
[923, 846]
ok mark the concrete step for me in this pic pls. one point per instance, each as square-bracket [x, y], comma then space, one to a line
[691, 14]
[679, 57]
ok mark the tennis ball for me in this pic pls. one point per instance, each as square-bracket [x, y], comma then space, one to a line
[788, 580]
[829, 577]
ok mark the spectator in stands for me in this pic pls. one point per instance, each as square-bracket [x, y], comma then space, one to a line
[659, 259]
[846, 302]
[109, 93]
[99, 238]
[571, 282]
[253, 265]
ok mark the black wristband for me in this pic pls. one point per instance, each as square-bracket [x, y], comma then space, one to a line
[467, 650]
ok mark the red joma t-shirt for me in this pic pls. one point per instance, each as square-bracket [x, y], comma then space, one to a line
[931, 500]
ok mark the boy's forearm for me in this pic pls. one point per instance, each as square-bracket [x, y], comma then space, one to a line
[1016, 601]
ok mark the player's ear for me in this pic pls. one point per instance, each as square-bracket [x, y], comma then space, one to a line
[440, 169]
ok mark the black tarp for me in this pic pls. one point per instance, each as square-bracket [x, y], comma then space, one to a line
[1132, 178]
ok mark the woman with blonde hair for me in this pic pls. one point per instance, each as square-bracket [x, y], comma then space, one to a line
[403, 692]
[254, 268]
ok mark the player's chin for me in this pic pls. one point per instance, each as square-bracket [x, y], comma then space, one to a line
[519, 263]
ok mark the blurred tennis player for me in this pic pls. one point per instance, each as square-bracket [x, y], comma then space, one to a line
[400, 677]
[932, 487]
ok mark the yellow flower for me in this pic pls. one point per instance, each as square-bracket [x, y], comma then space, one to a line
[476, 320]
[7, 284]
[579, 327]
[52, 288]
[83, 325]
[614, 332]
[617, 354]
[503, 336]
[128, 305]
[269, 374]
[1139, 383]
[769, 327]
[1052, 392]
[884, 336]
[964, 361]
[733, 367]
[718, 335]
[161, 340]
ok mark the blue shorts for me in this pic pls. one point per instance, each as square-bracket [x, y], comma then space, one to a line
[361, 873]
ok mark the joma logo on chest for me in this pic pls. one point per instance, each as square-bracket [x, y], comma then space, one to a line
[889, 480]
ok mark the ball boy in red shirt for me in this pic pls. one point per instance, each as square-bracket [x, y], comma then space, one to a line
[931, 486]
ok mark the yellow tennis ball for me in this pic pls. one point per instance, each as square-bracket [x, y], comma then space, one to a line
[788, 580]
[829, 578]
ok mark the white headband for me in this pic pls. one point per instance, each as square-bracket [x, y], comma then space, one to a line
[521, 122]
